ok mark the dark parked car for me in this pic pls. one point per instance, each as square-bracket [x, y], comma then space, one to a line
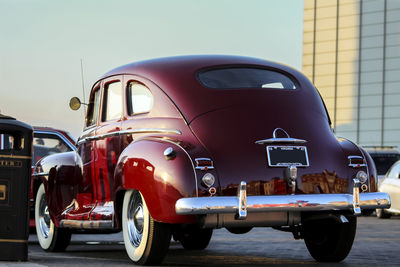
[47, 141]
[180, 146]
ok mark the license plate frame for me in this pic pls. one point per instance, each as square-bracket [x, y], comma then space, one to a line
[285, 156]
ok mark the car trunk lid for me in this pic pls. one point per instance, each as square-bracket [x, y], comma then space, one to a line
[230, 134]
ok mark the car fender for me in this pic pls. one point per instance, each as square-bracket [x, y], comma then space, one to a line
[162, 179]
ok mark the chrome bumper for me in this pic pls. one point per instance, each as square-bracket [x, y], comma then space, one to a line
[241, 204]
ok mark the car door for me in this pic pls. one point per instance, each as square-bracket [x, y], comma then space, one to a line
[85, 190]
[107, 147]
[391, 185]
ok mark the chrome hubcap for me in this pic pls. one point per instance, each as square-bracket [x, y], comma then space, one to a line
[135, 220]
[44, 218]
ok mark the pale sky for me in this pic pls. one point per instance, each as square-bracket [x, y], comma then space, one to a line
[43, 41]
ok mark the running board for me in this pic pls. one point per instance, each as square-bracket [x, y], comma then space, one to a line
[86, 224]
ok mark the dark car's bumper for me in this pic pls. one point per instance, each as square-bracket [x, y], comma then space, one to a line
[241, 204]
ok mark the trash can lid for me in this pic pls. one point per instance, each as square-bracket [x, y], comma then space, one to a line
[5, 117]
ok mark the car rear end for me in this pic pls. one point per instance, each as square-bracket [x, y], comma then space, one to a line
[276, 160]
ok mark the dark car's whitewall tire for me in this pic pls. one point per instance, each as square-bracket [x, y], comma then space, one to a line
[50, 237]
[146, 241]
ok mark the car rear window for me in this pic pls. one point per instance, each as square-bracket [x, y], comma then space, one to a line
[231, 78]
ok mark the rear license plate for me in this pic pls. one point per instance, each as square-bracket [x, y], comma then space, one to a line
[284, 156]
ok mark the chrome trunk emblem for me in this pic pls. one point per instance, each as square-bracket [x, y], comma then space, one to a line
[276, 139]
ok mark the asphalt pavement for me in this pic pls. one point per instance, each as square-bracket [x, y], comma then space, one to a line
[377, 243]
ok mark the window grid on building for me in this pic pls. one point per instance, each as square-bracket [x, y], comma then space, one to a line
[351, 52]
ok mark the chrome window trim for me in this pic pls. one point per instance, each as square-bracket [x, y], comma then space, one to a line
[130, 131]
[70, 145]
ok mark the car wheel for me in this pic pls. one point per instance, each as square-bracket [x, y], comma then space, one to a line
[146, 241]
[382, 214]
[51, 238]
[329, 240]
[193, 237]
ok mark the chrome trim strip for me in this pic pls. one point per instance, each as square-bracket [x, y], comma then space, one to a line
[355, 157]
[40, 174]
[87, 224]
[308, 202]
[130, 131]
[281, 140]
[151, 130]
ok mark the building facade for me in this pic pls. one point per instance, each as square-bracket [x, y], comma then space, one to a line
[351, 52]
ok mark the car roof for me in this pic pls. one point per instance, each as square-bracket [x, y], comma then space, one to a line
[176, 76]
[193, 63]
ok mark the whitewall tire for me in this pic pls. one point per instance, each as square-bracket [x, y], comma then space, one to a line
[50, 237]
[146, 241]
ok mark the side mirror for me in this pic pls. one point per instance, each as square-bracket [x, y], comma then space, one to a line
[75, 103]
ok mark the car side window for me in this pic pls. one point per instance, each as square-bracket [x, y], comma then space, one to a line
[140, 99]
[112, 108]
[47, 144]
[93, 108]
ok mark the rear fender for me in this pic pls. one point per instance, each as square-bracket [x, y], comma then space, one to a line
[161, 180]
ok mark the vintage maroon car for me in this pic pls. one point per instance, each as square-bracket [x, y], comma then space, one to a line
[180, 146]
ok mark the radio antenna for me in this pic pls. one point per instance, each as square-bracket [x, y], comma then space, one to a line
[83, 87]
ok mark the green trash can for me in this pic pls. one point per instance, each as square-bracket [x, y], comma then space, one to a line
[15, 173]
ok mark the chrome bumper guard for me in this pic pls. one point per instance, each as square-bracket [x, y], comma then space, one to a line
[241, 204]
